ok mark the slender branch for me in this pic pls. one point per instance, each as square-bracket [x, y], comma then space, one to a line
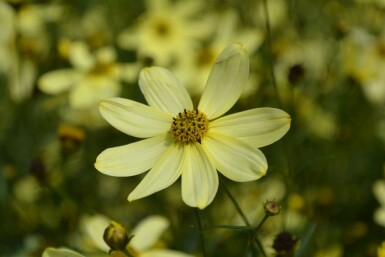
[200, 227]
[230, 227]
[262, 222]
[242, 214]
[235, 203]
[270, 52]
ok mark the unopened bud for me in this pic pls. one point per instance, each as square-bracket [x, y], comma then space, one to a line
[116, 236]
[271, 208]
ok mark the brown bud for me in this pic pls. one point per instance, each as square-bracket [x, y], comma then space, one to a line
[271, 208]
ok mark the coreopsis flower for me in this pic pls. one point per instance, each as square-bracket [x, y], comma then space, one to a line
[364, 60]
[24, 44]
[196, 65]
[379, 193]
[94, 76]
[142, 241]
[187, 142]
[167, 30]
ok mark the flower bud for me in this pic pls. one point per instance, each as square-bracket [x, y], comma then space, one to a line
[116, 236]
[271, 208]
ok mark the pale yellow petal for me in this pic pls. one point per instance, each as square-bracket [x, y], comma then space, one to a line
[199, 178]
[147, 232]
[132, 159]
[164, 253]
[163, 174]
[80, 56]
[379, 216]
[234, 158]
[226, 81]
[379, 191]
[90, 90]
[60, 252]
[258, 127]
[93, 227]
[135, 119]
[58, 81]
[164, 91]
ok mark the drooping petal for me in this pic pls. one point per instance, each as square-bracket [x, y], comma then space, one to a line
[234, 158]
[60, 252]
[164, 173]
[199, 178]
[258, 127]
[164, 253]
[148, 232]
[164, 91]
[134, 118]
[58, 81]
[132, 159]
[226, 81]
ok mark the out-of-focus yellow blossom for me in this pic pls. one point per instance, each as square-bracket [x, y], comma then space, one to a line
[145, 242]
[27, 190]
[167, 30]
[24, 42]
[331, 251]
[297, 63]
[319, 122]
[195, 67]
[191, 143]
[364, 60]
[381, 250]
[379, 193]
[93, 76]
[277, 11]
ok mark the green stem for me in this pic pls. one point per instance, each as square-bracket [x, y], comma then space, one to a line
[235, 203]
[230, 227]
[200, 227]
[262, 222]
[239, 210]
[270, 52]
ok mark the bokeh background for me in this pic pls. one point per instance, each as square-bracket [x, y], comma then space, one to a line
[322, 61]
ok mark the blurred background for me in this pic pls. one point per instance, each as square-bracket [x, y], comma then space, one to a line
[322, 61]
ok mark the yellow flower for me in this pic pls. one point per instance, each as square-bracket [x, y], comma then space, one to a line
[379, 193]
[146, 236]
[94, 76]
[167, 30]
[191, 143]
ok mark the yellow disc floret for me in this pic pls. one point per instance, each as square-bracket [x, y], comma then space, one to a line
[189, 126]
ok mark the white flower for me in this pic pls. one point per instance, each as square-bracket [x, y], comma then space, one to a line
[191, 143]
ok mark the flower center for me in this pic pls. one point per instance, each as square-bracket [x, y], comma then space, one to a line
[189, 126]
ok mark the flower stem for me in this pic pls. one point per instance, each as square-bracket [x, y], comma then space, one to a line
[270, 52]
[235, 203]
[256, 241]
[200, 227]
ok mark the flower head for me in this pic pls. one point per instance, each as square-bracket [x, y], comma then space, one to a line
[187, 142]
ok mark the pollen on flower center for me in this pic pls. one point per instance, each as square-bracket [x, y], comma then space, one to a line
[189, 126]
